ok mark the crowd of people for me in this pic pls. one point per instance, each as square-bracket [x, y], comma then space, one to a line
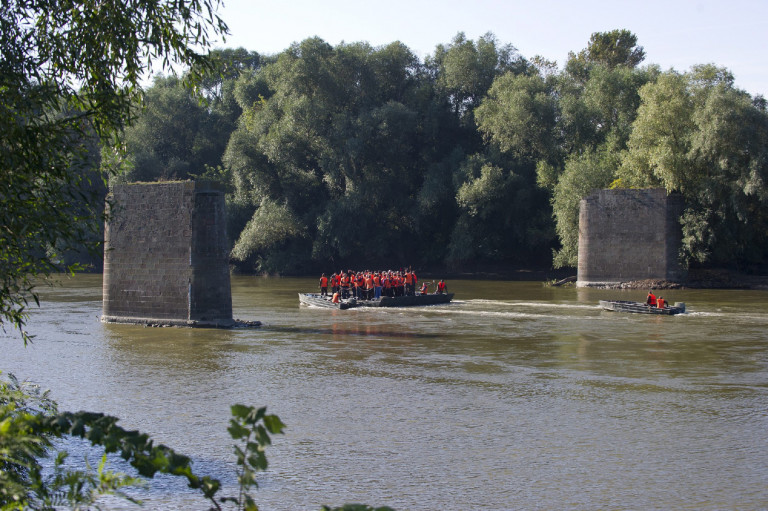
[372, 285]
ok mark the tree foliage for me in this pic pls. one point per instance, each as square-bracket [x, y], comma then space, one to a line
[476, 156]
[176, 137]
[697, 134]
[338, 138]
[519, 115]
[29, 421]
[466, 69]
[583, 173]
[612, 49]
[69, 72]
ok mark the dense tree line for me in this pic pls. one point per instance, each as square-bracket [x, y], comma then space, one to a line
[476, 156]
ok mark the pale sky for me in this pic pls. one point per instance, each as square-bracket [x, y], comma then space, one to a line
[675, 34]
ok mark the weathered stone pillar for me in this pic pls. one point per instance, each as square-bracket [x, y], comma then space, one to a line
[629, 235]
[165, 256]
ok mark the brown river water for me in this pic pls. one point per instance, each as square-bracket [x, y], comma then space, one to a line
[514, 396]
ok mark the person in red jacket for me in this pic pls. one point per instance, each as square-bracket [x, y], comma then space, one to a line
[323, 285]
[344, 284]
[651, 299]
[386, 284]
[335, 280]
[408, 282]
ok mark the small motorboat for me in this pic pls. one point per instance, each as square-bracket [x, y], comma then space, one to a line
[642, 308]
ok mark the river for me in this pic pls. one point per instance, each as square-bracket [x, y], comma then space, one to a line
[514, 396]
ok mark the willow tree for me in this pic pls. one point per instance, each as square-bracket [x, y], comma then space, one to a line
[176, 136]
[597, 100]
[699, 135]
[466, 69]
[336, 146]
[503, 215]
[570, 126]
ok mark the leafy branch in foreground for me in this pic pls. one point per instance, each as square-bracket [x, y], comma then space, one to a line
[245, 426]
[25, 442]
[29, 422]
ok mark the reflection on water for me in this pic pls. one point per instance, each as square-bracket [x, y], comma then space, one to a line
[515, 396]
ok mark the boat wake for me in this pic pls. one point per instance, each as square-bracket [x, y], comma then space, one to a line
[733, 316]
[454, 311]
[539, 305]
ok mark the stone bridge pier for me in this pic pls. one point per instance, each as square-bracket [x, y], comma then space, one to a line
[166, 258]
[629, 235]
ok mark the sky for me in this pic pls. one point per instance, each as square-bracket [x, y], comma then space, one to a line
[675, 34]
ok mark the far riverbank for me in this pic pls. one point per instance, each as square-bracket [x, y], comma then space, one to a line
[698, 279]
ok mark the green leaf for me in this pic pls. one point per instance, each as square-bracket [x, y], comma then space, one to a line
[241, 411]
[273, 424]
[236, 431]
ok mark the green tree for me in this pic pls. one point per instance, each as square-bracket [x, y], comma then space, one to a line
[339, 137]
[612, 49]
[175, 137]
[597, 97]
[560, 124]
[272, 228]
[466, 69]
[227, 66]
[69, 70]
[583, 173]
[502, 218]
[697, 134]
[519, 116]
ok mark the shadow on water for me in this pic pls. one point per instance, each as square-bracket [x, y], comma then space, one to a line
[170, 349]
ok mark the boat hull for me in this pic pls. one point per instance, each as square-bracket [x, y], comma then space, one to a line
[316, 300]
[407, 301]
[641, 308]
